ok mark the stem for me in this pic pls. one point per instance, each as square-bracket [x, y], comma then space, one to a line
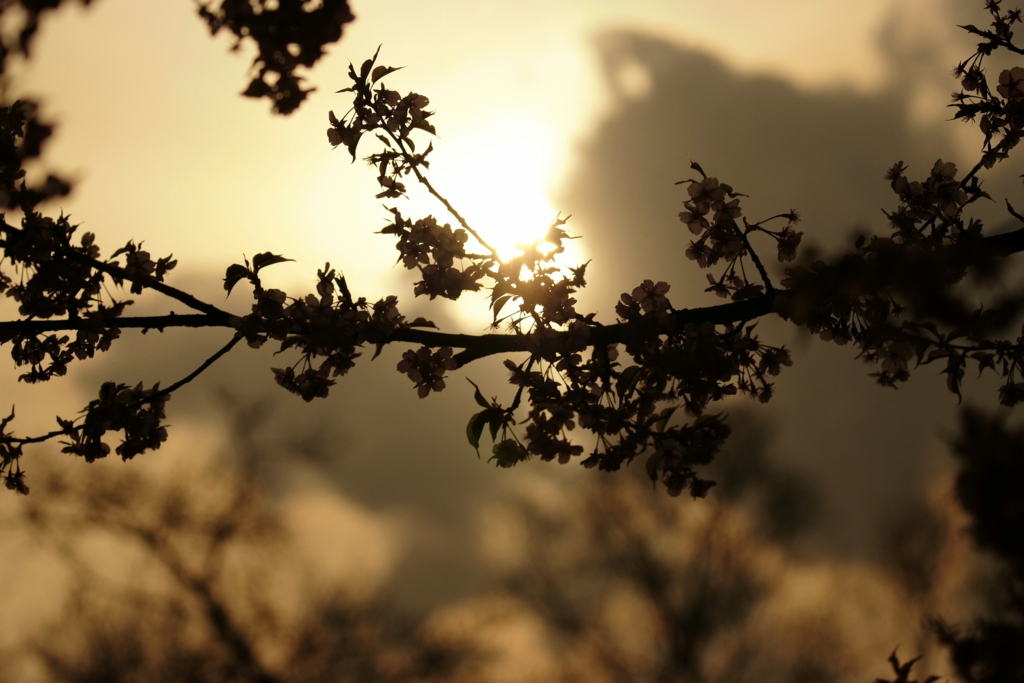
[769, 288]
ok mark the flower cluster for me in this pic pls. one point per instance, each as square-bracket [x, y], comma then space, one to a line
[136, 411]
[287, 35]
[721, 239]
[939, 196]
[433, 249]
[384, 110]
[10, 459]
[629, 409]
[59, 278]
[426, 368]
[544, 292]
[718, 239]
[862, 297]
[1001, 112]
[329, 327]
[22, 136]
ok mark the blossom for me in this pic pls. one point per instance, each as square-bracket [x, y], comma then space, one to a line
[1010, 83]
[651, 297]
[789, 240]
[426, 368]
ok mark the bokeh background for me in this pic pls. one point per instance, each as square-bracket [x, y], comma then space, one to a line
[584, 107]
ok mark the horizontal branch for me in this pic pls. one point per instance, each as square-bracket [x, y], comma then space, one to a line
[9, 328]
[145, 281]
[474, 345]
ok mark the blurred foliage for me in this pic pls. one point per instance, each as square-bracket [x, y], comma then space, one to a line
[198, 582]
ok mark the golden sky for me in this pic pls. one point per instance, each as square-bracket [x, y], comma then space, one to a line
[165, 150]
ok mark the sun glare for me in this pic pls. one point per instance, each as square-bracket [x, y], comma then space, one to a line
[498, 176]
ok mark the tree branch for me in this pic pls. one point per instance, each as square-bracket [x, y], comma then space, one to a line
[10, 328]
[118, 272]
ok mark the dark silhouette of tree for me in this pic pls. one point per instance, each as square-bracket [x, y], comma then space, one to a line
[606, 392]
[893, 298]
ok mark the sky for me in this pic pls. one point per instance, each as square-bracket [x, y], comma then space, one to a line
[585, 107]
[164, 150]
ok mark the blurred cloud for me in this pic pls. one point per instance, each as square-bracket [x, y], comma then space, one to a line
[589, 108]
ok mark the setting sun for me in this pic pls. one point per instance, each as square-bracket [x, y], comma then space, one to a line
[499, 175]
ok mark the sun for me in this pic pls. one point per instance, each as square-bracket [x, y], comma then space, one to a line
[498, 175]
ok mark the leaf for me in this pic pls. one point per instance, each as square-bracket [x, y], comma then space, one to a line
[627, 380]
[474, 429]
[382, 71]
[499, 304]
[731, 192]
[663, 417]
[257, 88]
[234, 273]
[364, 71]
[696, 167]
[477, 396]
[652, 467]
[266, 259]
[496, 421]
[936, 354]
[500, 289]
[422, 322]
[954, 375]
[985, 360]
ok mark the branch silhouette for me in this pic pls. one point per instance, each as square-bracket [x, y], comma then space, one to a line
[628, 382]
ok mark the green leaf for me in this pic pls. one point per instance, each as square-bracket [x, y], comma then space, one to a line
[696, 167]
[235, 273]
[291, 341]
[500, 289]
[429, 127]
[266, 259]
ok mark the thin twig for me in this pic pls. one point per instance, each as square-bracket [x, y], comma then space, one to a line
[149, 399]
[422, 179]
